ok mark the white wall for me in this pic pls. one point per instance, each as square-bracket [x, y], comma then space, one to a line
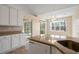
[75, 23]
[59, 13]
[74, 12]
[36, 27]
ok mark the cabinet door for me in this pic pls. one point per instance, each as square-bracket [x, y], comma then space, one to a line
[0, 47]
[13, 16]
[24, 40]
[20, 18]
[55, 51]
[1, 44]
[5, 44]
[43, 48]
[4, 15]
[15, 41]
[38, 48]
[33, 48]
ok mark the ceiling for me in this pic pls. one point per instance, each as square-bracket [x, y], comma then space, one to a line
[37, 9]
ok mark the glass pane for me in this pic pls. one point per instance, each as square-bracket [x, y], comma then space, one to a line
[62, 23]
[42, 27]
[62, 27]
[57, 25]
[52, 26]
[28, 28]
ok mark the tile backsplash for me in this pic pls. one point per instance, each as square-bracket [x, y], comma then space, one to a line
[7, 30]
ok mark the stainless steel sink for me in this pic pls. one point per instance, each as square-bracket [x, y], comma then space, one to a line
[70, 44]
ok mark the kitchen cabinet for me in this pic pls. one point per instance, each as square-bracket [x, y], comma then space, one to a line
[5, 44]
[10, 16]
[27, 43]
[24, 41]
[1, 44]
[15, 41]
[4, 15]
[38, 48]
[55, 50]
[11, 42]
[13, 16]
[20, 18]
[0, 47]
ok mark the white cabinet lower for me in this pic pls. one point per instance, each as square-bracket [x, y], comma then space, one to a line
[5, 44]
[15, 41]
[55, 50]
[19, 40]
[1, 44]
[24, 41]
[11, 42]
[38, 48]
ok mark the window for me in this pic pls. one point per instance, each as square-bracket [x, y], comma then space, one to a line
[52, 26]
[58, 24]
[42, 27]
[28, 28]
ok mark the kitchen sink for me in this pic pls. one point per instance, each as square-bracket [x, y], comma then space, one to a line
[70, 44]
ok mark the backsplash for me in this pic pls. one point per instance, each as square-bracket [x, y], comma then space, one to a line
[8, 30]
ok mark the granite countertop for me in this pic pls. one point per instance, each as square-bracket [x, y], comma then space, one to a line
[53, 42]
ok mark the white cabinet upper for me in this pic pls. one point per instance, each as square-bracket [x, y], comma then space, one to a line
[5, 44]
[13, 16]
[20, 18]
[10, 16]
[15, 41]
[4, 15]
